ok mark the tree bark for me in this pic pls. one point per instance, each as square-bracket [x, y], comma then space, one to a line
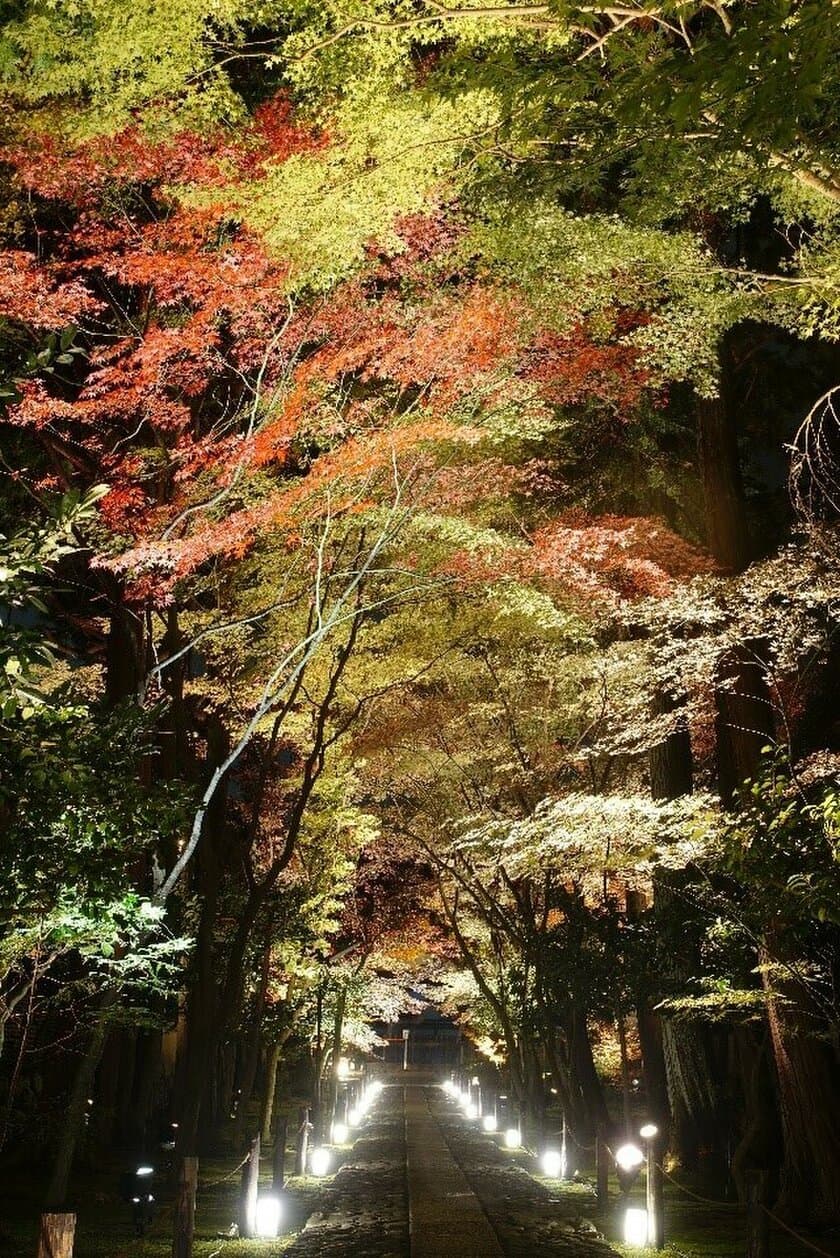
[727, 531]
[56, 1236]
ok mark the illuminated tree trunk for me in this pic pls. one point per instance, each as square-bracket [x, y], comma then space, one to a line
[727, 533]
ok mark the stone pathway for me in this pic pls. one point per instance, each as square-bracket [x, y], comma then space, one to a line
[421, 1183]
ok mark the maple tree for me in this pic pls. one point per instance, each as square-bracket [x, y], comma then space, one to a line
[410, 380]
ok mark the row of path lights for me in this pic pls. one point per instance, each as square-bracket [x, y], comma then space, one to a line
[268, 1211]
[642, 1228]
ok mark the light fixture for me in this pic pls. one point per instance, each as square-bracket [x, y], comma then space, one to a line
[340, 1133]
[145, 1170]
[553, 1164]
[636, 1227]
[489, 1123]
[628, 1157]
[320, 1161]
[267, 1216]
[649, 1131]
[513, 1138]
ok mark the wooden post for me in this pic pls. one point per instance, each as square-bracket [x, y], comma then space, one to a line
[302, 1143]
[250, 1189]
[758, 1222]
[281, 1127]
[655, 1197]
[56, 1236]
[602, 1172]
[182, 1239]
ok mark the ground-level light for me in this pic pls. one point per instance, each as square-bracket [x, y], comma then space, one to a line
[513, 1138]
[489, 1123]
[628, 1157]
[267, 1216]
[340, 1133]
[354, 1117]
[636, 1227]
[320, 1161]
[553, 1164]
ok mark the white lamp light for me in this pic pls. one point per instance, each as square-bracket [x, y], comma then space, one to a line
[354, 1117]
[145, 1170]
[513, 1138]
[628, 1157]
[267, 1216]
[649, 1131]
[470, 1111]
[553, 1164]
[339, 1133]
[488, 1122]
[320, 1160]
[636, 1227]
[343, 1067]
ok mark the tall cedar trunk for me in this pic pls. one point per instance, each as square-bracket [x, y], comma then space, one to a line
[744, 722]
[670, 763]
[584, 1073]
[806, 1070]
[650, 1037]
[760, 1134]
[727, 532]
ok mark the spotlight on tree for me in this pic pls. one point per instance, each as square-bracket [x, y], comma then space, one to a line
[267, 1216]
[489, 1123]
[340, 1133]
[320, 1161]
[553, 1164]
[513, 1138]
[636, 1227]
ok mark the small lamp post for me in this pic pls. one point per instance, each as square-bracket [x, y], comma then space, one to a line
[654, 1194]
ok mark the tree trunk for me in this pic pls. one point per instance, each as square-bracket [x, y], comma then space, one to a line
[810, 1106]
[56, 1236]
[269, 1089]
[182, 1237]
[76, 1111]
[745, 721]
[727, 532]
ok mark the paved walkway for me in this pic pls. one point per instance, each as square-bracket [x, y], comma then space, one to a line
[421, 1183]
[445, 1215]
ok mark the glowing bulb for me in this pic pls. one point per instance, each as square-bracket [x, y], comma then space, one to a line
[513, 1138]
[649, 1131]
[145, 1170]
[267, 1216]
[320, 1161]
[340, 1133]
[471, 1111]
[629, 1156]
[488, 1122]
[553, 1164]
[636, 1228]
